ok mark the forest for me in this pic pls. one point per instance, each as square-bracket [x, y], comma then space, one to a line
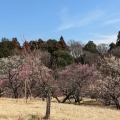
[53, 68]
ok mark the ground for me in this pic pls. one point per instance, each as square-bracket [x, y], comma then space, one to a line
[11, 109]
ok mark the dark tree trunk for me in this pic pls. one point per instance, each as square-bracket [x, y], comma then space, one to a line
[1, 93]
[116, 102]
[118, 106]
[78, 99]
[57, 99]
[15, 93]
[47, 116]
[66, 98]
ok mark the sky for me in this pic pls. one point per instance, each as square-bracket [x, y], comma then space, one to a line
[79, 20]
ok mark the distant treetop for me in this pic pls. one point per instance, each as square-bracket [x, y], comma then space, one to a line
[62, 43]
[90, 46]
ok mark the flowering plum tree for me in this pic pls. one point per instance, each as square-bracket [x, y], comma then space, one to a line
[40, 77]
[10, 69]
[109, 74]
[74, 79]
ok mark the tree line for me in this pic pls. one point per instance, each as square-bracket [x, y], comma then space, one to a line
[60, 53]
[53, 68]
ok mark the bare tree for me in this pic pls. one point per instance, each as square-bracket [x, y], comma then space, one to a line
[76, 49]
[102, 48]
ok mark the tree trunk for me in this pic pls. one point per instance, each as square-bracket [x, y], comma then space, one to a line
[25, 91]
[57, 99]
[78, 99]
[15, 93]
[66, 98]
[116, 102]
[1, 93]
[47, 116]
[118, 106]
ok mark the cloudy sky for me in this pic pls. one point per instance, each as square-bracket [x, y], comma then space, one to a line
[81, 20]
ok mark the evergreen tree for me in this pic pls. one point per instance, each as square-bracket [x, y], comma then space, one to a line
[62, 43]
[61, 59]
[91, 47]
[118, 39]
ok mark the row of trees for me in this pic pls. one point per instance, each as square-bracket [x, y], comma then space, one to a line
[61, 53]
[14, 70]
[8, 48]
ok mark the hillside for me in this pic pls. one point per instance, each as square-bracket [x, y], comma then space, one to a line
[10, 109]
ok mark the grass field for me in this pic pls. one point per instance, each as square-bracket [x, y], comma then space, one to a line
[10, 109]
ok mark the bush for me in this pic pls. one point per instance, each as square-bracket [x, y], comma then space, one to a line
[34, 117]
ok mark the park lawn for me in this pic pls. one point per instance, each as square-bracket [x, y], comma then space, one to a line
[11, 109]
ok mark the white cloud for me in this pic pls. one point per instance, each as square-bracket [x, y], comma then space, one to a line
[107, 39]
[112, 21]
[78, 21]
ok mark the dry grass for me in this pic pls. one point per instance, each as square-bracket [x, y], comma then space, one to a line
[10, 109]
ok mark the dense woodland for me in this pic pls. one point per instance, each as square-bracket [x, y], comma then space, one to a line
[53, 68]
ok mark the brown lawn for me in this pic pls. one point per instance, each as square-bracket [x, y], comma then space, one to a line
[10, 109]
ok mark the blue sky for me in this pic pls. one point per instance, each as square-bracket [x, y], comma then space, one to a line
[81, 20]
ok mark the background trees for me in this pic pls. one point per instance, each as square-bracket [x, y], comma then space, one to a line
[9, 47]
[115, 48]
[91, 47]
[52, 45]
[102, 48]
[118, 39]
[62, 43]
[35, 65]
[90, 58]
[76, 51]
[61, 59]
